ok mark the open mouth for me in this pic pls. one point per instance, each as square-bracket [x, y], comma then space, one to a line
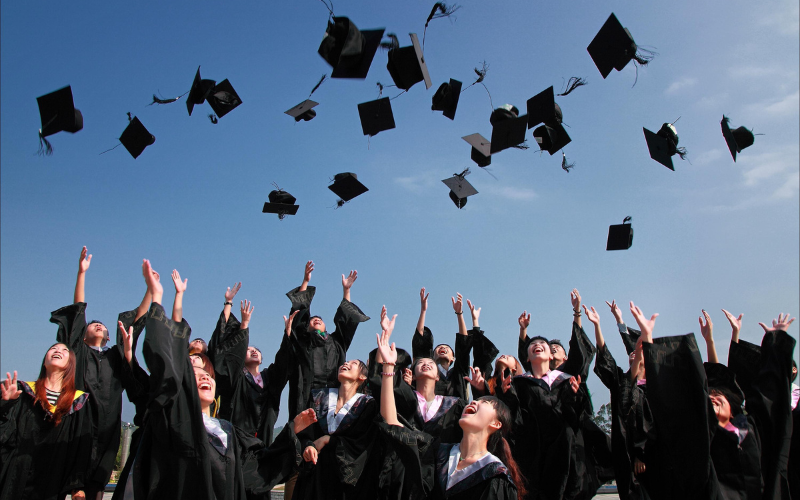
[205, 386]
[425, 368]
[538, 349]
[56, 356]
[471, 409]
[344, 368]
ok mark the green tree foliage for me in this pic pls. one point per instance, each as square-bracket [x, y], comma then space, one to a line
[603, 418]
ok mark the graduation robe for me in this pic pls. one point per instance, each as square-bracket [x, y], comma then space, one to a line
[38, 459]
[453, 384]
[104, 375]
[348, 467]
[317, 358]
[426, 463]
[176, 457]
[248, 406]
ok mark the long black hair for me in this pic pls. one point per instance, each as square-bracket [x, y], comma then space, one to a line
[498, 445]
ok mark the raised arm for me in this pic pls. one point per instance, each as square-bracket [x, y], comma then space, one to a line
[594, 318]
[575, 298]
[423, 308]
[522, 346]
[80, 283]
[145, 304]
[736, 325]
[180, 287]
[347, 283]
[707, 329]
[306, 276]
[389, 355]
[458, 307]
[645, 325]
[230, 293]
[475, 312]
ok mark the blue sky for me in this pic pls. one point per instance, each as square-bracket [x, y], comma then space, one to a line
[712, 234]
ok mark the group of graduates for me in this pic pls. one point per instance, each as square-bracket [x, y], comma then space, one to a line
[440, 423]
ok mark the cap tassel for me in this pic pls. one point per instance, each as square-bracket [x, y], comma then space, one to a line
[524, 145]
[564, 165]
[330, 8]
[573, 83]
[325, 76]
[393, 44]
[440, 10]
[45, 148]
[627, 219]
[213, 118]
[641, 57]
[157, 100]
[481, 75]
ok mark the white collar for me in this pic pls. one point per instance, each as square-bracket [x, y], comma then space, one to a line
[214, 428]
[795, 395]
[334, 418]
[455, 476]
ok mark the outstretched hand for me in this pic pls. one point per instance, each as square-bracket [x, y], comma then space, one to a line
[85, 261]
[575, 298]
[458, 304]
[230, 293]
[782, 323]
[287, 329]
[309, 269]
[476, 311]
[388, 352]
[615, 310]
[736, 323]
[408, 376]
[524, 320]
[707, 328]
[349, 280]
[592, 315]
[246, 309]
[575, 383]
[180, 286]
[645, 325]
[127, 340]
[9, 387]
[423, 299]
[304, 419]
[153, 283]
[475, 378]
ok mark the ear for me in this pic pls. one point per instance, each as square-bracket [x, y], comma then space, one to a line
[496, 425]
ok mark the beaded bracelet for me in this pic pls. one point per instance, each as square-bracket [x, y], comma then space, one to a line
[387, 374]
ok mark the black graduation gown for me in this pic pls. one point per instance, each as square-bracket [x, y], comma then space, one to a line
[316, 358]
[104, 375]
[176, 457]
[453, 384]
[242, 400]
[348, 467]
[630, 424]
[426, 461]
[37, 459]
[545, 419]
[765, 380]
[677, 392]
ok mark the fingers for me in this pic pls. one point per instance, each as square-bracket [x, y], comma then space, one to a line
[762, 325]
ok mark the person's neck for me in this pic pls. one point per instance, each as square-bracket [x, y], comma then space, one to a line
[473, 445]
[347, 390]
[93, 342]
[723, 423]
[206, 409]
[540, 368]
[426, 387]
[54, 381]
[444, 363]
[252, 368]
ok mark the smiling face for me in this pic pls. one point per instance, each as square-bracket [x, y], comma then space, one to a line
[559, 354]
[443, 354]
[57, 358]
[253, 356]
[316, 323]
[506, 362]
[722, 408]
[206, 387]
[479, 415]
[426, 368]
[353, 371]
[539, 350]
[198, 345]
[96, 334]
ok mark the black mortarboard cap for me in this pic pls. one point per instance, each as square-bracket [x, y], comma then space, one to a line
[376, 116]
[620, 236]
[460, 189]
[613, 47]
[481, 149]
[135, 138]
[407, 65]
[281, 203]
[542, 108]
[346, 186]
[446, 98]
[199, 92]
[551, 138]
[723, 379]
[737, 139]
[303, 111]
[58, 112]
[508, 129]
[659, 148]
[629, 339]
[223, 98]
[347, 49]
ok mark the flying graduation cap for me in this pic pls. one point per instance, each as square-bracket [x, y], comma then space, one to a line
[281, 203]
[407, 65]
[135, 138]
[508, 128]
[221, 97]
[613, 48]
[620, 236]
[460, 188]
[348, 50]
[481, 149]
[542, 108]
[663, 145]
[376, 116]
[304, 110]
[58, 113]
[737, 139]
[447, 95]
[347, 186]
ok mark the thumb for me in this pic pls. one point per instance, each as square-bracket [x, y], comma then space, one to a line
[762, 325]
[653, 317]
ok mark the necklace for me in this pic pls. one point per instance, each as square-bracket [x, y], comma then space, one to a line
[462, 458]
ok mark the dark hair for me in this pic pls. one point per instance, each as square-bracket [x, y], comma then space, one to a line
[67, 395]
[556, 342]
[208, 366]
[734, 400]
[498, 445]
[205, 346]
[363, 369]
[497, 378]
[108, 334]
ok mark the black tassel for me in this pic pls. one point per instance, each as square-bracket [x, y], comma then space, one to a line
[130, 119]
[681, 152]
[318, 84]
[524, 145]
[481, 75]
[45, 148]
[394, 44]
[644, 56]
[157, 100]
[330, 9]
[564, 164]
[380, 89]
[573, 83]
[213, 119]
[627, 219]
[112, 149]
[440, 10]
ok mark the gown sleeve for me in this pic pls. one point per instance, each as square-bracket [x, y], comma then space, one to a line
[266, 466]
[346, 320]
[166, 353]
[71, 321]
[301, 301]
[416, 451]
[455, 378]
[484, 353]
[522, 352]
[422, 345]
[227, 353]
[581, 353]
[275, 377]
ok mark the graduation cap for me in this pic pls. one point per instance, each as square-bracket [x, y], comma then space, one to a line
[737, 139]
[347, 49]
[198, 93]
[481, 149]
[223, 99]
[551, 137]
[723, 380]
[446, 98]
[613, 48]
[135, 138]
[508, 128]
[407, 65]
[303, 111]
[376, 116]
[346, 186]
[58, 113]
[281, 203]
[542, 108]
[460, 188]
[664, 145]
[620, 236]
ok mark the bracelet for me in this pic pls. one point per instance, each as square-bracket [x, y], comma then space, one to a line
[459, 314]
[576, 315]
[228, 303]
[390, 364]
[387, 374]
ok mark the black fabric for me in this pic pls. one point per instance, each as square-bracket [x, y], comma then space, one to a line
[579, 358]
[174, 458]
[453, 384]
[104, 375]
[484, 353]
[737, 465]
[317, 358]
[38, 459]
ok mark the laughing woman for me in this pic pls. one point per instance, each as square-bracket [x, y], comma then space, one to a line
[45, 432]
[479, 467]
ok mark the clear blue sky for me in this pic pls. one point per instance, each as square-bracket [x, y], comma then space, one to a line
[712, 234]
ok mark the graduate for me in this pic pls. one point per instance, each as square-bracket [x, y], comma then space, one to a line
[102, 371]
[45, 432]
[452, 367]
[184, 452]
[479, 466]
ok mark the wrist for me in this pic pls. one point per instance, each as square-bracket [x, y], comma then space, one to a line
[228, 303]
[459, 313]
